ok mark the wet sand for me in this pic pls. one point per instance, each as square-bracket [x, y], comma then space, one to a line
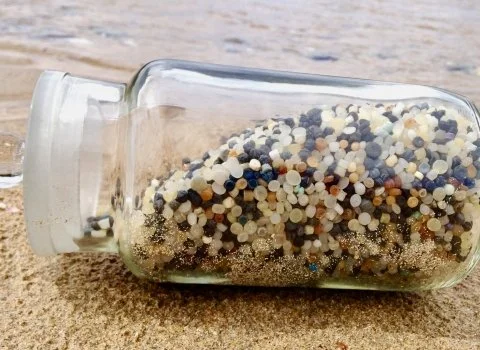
[91, 301]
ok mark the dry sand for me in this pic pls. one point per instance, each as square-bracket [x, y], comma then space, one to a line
[90, 301]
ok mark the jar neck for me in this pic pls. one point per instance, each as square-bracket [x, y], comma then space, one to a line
[72, 163]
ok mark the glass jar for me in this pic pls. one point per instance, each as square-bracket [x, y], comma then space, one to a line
[199, 173]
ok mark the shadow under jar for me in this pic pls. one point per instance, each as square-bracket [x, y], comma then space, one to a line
[199, 173]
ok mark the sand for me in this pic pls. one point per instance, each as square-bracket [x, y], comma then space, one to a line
[91, 301]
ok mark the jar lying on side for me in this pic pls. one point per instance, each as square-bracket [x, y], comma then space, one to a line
[200, 173]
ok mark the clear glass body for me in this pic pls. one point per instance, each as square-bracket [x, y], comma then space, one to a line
[200, 173]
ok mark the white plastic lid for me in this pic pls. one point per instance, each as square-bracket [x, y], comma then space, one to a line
[47, 228]
[63, 158]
